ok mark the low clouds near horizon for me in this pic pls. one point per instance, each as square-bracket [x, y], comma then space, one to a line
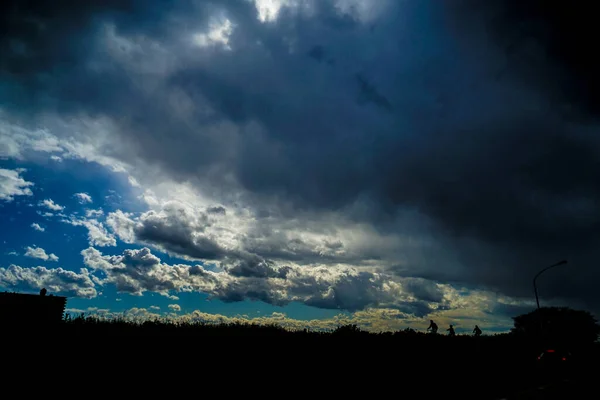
[346, 154]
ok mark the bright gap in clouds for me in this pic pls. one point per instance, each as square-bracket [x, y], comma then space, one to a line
[218, 34]
[268, 10]
[365, 11]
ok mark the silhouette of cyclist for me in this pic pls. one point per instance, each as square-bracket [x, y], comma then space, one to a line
[433, 326]
[477, 331]
[451, 331]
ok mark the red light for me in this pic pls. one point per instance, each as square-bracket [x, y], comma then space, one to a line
[550, 351]
[564, 359]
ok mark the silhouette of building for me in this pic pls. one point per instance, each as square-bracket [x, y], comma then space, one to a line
[31, 308]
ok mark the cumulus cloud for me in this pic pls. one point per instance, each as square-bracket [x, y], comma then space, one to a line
[97, 233]
[327, 145]
[139, 271]
[37, 227]
[57, 280]
[12, 184]
[89, 213]
[177, 227]
[83, 198]
[38, 252]
[51, 205]
[213, 234]
[175, 307]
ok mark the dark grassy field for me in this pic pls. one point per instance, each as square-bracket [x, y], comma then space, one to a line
[403, 362]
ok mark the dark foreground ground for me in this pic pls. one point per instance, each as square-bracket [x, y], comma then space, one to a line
[560, 389]
[156, 360]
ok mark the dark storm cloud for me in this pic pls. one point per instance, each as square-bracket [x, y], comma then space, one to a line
[547, 44]
[369, 94]
[448, 124]
[44, 46]
[318, 53]
[424, 290]
[53, 58]
[256, 267]
[176, 230]
[179, 242]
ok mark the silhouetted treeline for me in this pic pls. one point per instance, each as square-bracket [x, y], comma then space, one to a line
[464, 366]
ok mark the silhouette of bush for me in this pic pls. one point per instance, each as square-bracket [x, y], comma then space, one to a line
[349, 330]
[558, 325]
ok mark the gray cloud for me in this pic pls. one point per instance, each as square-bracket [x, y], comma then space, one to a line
[139, 271]
[176, 228]
[545, 46]
[504, 179]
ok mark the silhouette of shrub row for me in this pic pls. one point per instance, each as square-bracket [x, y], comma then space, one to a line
[496, 364]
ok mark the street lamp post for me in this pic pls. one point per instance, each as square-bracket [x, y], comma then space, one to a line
[537, 300]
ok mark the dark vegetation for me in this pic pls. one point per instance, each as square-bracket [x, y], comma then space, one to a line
[464, 366]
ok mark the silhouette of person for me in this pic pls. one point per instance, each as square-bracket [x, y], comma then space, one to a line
[477, 331]
[43, 292]
[451, 331]
[433, 326]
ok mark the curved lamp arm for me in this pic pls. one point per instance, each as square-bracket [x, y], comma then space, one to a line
[538, 274]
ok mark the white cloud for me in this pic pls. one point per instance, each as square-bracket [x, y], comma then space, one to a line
[15, 140]
[122, 224]
[365, 11]
[38, 252]
[268, 10]
[133, 182]
[89, 213]
[139, 271]
[58, 280]
[218, 34]
[89, 310]
[18, 142]
[196, 229]
[174, 307]
[50, 204]
[37, 227]
[97, 233]
[12, 184]
[83, 198]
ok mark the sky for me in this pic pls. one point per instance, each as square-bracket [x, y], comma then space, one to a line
[310, 163]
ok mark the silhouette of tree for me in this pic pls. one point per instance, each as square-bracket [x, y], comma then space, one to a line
[560, 325]
[350, 329]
